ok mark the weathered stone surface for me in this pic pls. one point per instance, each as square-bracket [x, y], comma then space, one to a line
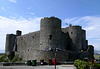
[10, 41]
[50, 33]
[71, 41]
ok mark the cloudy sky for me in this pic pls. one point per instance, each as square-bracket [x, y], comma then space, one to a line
[25, 15]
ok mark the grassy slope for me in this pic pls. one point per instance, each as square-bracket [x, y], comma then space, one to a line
[1, 54]
[96, 56]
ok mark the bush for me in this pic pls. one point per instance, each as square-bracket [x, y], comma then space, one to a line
[16, 59]
[81, 64]
[4, 58]
[96, 66]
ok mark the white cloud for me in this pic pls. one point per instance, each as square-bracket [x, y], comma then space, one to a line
[14, 1]
[91, 24]
[32, 13]
[8, 26]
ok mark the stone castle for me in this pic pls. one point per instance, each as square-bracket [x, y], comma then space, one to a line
[70, 42]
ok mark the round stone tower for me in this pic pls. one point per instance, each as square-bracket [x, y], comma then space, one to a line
[84, 46]
[18, 33]
[50, 33]
[10, 41]
[75, 33]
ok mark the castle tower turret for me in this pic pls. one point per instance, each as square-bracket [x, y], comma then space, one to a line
[10, 41]
[75, 33]
[50, 33]
[84, 46]
[18, 33]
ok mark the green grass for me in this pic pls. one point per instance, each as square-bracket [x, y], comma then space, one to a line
[96, 56]
[4, 58]
[1, 54]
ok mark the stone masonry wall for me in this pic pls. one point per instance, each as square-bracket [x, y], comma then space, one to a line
[46, 55]
[36, 45]
[26, 44]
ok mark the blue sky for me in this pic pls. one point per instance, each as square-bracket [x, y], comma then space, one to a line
[25, 15]
[59, 8]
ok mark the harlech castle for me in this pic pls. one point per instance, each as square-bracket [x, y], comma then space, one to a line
[70, 42]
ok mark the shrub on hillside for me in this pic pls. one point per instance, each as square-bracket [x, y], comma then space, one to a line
[16, 59]
[4, 58]
[96, 66]
[81, 64]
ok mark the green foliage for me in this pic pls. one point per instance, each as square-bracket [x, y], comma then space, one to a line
[16, 59]
[81, 64]
[96, 66]
[4, 58]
